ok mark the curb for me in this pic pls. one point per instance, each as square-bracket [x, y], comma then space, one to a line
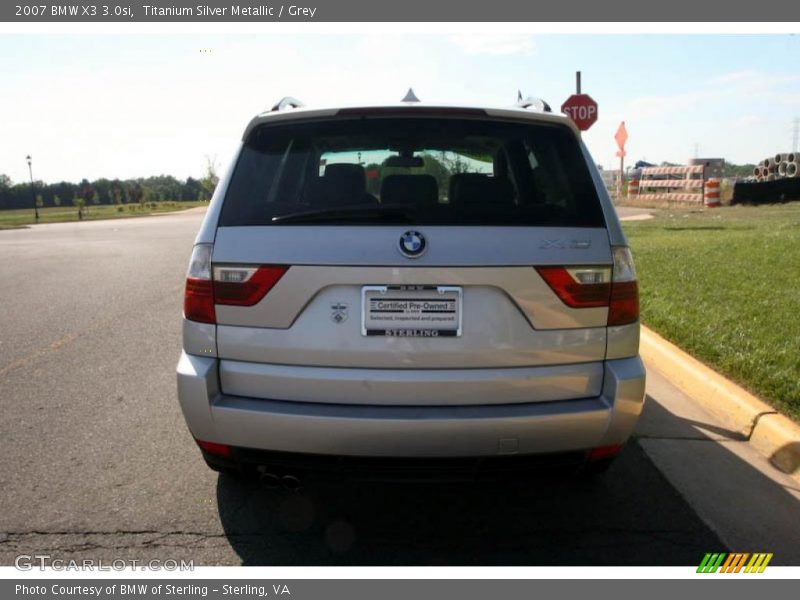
[771, 434]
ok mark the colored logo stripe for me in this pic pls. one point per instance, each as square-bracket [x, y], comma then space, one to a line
[734, 562]
[758, 563]
[711, 563]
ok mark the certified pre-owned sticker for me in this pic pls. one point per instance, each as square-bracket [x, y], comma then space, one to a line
[411, 311]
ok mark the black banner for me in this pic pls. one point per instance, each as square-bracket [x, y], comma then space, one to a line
[406, 11]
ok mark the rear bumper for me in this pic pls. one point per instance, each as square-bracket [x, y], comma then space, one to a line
[411, 431]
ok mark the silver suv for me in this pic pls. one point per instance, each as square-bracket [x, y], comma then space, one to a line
[410, 286]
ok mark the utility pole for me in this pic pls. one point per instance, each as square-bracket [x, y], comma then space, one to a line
[33, 188]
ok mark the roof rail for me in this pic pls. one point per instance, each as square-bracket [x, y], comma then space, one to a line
[532, 102]
[287, 102]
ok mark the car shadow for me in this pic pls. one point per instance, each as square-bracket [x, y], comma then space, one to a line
[629, 516]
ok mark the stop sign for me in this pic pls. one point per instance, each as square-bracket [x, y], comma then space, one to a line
[581, 109]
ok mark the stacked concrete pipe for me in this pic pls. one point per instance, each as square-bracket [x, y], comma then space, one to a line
[783, 164]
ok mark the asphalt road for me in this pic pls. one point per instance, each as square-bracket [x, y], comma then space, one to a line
[96, 461]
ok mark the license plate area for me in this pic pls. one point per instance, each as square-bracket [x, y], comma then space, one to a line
[411, 310]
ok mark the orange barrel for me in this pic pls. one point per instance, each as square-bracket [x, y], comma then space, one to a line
[633, 188]
[711, 193]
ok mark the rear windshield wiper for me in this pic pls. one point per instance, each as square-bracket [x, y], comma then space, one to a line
[350, 214]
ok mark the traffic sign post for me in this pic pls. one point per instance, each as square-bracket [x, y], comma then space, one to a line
[621, 137]
[581, 108]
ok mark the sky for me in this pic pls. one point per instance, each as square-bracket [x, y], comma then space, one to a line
[135, 105]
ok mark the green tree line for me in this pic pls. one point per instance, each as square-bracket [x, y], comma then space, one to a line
[105, 191]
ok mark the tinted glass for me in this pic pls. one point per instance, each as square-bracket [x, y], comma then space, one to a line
[412, 170]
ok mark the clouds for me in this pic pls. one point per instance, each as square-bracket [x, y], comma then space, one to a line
[138, 105]
[743, 88]
[494, 44]
[738, 114]
[748, 121]
[756, 80]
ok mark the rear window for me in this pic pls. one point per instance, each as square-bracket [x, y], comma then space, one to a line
[414, 171]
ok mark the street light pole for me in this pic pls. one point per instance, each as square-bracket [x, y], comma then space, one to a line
[33, 188]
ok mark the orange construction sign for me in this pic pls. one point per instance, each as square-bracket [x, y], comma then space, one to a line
[621, 136]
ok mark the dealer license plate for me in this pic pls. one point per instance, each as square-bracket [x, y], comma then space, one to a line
[411, 310]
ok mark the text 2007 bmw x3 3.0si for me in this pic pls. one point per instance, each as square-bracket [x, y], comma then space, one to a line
[410, 287]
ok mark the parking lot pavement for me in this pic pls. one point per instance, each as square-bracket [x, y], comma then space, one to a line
[97, 462]
[732, 487]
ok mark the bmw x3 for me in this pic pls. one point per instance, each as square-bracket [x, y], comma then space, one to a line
[410, 285]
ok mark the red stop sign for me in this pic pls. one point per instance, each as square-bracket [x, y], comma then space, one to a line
[581, 109]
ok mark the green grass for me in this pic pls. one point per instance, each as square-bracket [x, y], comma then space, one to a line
[59, 214]
[724, 285]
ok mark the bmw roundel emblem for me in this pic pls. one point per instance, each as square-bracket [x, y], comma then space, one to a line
[412, 244]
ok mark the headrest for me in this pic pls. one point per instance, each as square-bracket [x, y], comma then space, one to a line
[420, 190]
[348, 175]
[342, 184]
[473, 189]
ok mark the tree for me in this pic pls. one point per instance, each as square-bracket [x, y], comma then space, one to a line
[192, 189]
[102, 189]
[88, 193]
[439, 171]
[80, 203]
[210, 181]
[455, 164]
[136, 194]
[56, 200]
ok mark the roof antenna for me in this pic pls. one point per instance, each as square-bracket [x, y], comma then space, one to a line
[410, 96]
[519, 96]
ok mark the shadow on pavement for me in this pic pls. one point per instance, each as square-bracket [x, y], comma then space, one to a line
[730, 485]
[629, 516]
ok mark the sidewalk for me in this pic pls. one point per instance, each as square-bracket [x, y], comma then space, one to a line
[752, 506]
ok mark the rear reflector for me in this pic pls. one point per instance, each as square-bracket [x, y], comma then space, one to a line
[214, 448]
[245, 286]
[602, 452]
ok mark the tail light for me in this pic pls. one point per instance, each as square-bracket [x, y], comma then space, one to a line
[624, 306]
[232, 285]
[245, 286]
[595, 287]
[198, 300]
[579, 288]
